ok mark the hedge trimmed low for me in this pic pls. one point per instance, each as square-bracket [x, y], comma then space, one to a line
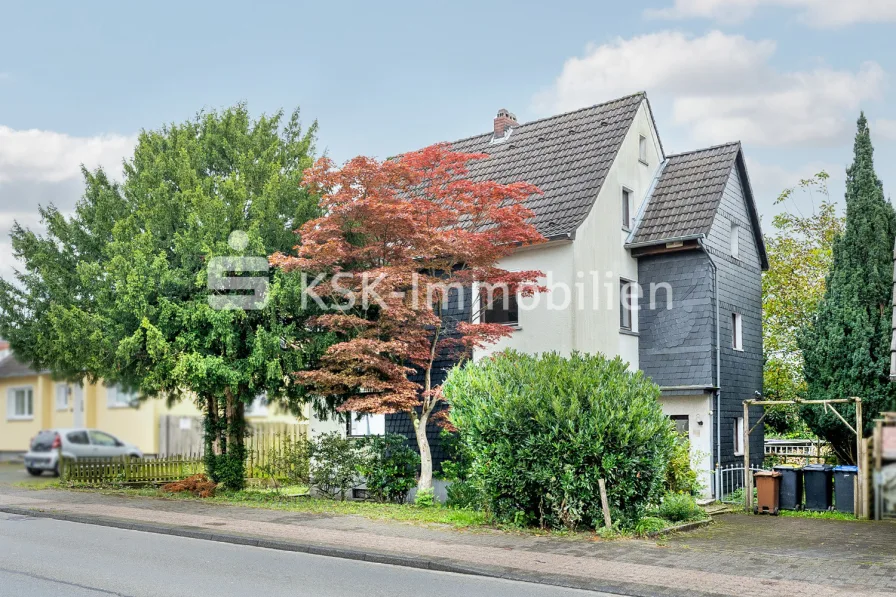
[542, 429]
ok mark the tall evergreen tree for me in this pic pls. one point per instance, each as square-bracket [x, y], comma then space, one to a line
[846, 348]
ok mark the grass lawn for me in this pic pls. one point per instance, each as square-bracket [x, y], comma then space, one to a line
[286, 500]
[295, 499]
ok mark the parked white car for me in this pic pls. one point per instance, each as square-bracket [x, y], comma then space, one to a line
[43, 454]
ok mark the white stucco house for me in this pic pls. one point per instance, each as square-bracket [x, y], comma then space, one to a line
[653, 257]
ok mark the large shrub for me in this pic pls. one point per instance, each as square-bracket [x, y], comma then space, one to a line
[543, 429]
[389, 467]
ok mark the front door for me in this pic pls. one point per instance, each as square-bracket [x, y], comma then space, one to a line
[78, 405]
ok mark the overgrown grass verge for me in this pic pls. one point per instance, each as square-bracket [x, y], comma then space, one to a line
[294, 499]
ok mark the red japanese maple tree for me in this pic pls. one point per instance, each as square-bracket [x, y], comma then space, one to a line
[394, 239]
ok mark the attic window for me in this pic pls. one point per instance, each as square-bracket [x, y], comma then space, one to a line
[626, 209]
[642, 149]
[735, 239]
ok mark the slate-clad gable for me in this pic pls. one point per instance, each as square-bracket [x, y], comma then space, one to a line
[566, 156]
[689, 193]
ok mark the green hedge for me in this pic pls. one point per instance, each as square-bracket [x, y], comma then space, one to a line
[543, 429]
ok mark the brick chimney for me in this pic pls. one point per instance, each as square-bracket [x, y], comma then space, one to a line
[503, 121]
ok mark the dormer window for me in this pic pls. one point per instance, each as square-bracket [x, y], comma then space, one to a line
[642, 149]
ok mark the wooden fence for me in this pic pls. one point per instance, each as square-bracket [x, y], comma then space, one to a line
[277, 456]
[130, 471]
[183, 435]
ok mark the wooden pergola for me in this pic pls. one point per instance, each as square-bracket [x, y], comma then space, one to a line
[861, 504]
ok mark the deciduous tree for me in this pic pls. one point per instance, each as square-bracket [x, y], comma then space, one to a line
[800, 252]
[395, 239]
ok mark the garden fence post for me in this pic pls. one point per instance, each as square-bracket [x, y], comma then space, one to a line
[748, 474]
[604, 503]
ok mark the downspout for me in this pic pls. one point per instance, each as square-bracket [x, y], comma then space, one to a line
[717, 415]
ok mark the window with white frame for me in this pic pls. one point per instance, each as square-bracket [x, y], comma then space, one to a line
[626, 304]
[735, 239]
[626, 209]
[61, 396]
[118, 397]
[259, 407]
[20, 403]
[361, 425]
[642, 149]
[739, 436]
[737, 331]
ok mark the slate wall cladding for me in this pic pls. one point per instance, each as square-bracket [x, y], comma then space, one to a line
[677, 346]
[740, 291]
[459, 309]
[676, 334]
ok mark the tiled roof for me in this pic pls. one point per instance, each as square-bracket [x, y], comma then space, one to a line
[566, 156]
[12, 367]
[686, 195]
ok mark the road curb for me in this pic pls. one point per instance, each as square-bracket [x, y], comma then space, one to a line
[421, 563]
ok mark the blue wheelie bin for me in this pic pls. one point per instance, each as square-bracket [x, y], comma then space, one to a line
[844, 488]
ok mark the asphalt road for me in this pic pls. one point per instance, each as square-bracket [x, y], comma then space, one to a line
[41, 557]
[11, 473]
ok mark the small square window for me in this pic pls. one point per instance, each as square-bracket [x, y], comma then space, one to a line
[682, 423]
[642, 149]
[739, 436]
[499, 307]
[735, 239]
[626, 305]
[626, 209]
[737, 332]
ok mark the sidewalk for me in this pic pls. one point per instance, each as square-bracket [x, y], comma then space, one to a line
[736, 556]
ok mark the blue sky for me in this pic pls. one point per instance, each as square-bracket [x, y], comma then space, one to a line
[788, 77]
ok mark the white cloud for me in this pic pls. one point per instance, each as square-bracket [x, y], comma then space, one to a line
[816, 13]
[48, 156]
[885, 128]
[722, 87]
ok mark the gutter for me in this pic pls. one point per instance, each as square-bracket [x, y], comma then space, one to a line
[649, 243]
[717, 414]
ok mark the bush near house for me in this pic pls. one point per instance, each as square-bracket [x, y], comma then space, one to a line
[542, 429]
[680, 475]
[389, 467]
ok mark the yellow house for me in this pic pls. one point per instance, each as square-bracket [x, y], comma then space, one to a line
[33, 401]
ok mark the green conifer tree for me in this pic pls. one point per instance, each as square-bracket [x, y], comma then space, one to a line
[847, 346]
